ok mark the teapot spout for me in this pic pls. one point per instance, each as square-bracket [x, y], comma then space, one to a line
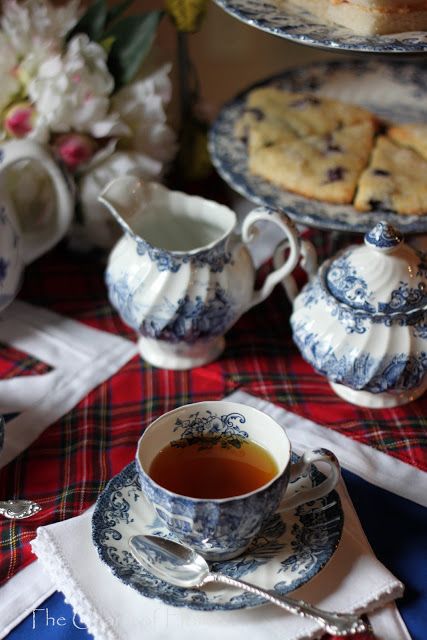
[124, 197]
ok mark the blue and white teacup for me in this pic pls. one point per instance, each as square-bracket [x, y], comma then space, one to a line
[223, 528]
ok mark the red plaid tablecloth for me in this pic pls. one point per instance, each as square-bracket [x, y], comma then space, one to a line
[70, 463]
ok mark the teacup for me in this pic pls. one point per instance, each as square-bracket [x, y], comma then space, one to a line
[220, 528]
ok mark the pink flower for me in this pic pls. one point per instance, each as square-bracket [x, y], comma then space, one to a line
[19, 120]
[75, 149]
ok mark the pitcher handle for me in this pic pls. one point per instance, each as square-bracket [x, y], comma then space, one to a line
[292, 238]
[34, 244]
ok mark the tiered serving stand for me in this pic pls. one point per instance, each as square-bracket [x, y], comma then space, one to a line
[390, 79]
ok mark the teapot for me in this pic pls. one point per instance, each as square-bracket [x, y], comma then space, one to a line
[19, 247]
[181, 275]
[361, 320]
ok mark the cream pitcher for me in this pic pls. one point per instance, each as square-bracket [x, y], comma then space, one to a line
[181, 275]
[18, 247]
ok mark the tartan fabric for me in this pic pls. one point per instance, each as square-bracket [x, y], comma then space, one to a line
[14, 363]
[70, 463]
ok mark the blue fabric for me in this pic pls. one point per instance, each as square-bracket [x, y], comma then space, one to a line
[396, 529]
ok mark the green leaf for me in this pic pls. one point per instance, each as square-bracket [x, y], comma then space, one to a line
[133, 37]
[116, 11]
[92, 22]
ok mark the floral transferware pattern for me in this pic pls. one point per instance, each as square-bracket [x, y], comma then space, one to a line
[364, 371]
[215, 258]
[282, 557]
[187, 320]
[210, 429]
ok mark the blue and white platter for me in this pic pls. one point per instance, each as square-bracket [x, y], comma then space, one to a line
[395, 90]
[294, 23]
[283, 557]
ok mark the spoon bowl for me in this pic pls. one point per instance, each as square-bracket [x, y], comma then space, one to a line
[183, 567]
[172, 562]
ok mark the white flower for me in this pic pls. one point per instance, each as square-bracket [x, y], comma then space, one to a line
[36, 24]
[72, 92]
[141, 106]
[8, 62]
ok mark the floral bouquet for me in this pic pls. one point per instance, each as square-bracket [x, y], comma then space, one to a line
[82, 85]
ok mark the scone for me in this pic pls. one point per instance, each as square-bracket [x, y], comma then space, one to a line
[273, 115]
[325, 167]
[370, 17]
[263, 133]
[395, 180]
[302, 114]
[411, 135]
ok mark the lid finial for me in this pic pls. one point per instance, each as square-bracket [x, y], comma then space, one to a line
[383, 237]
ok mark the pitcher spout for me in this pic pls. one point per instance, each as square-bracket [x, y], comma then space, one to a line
[125, 197]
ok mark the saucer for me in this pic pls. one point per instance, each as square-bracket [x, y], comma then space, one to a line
[284, 556]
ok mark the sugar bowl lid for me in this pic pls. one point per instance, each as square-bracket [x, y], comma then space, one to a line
[382, 276]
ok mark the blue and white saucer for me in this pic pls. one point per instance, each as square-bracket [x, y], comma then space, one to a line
[294, 23]
[394, 90]
[283, 557]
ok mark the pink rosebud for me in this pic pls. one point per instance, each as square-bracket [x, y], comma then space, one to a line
[19, 120]
[75, 149]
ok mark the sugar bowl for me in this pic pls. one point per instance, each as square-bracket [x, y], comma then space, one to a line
[361, 320]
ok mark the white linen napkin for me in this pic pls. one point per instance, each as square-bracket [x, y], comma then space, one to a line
[353, 580]
[81, 358]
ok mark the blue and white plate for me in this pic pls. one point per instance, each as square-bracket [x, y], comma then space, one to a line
[394, 90]
[283, 557]
[294, 23]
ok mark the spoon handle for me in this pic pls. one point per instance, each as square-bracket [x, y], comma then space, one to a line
[18, 509]
[335, 623]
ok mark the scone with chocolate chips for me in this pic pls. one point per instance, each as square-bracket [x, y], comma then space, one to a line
[325, 167]
[395, 180]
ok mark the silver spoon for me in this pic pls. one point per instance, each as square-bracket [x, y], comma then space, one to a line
[18, 509]
[179, 565]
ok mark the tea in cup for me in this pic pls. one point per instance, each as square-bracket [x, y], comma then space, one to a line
[215, 471]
